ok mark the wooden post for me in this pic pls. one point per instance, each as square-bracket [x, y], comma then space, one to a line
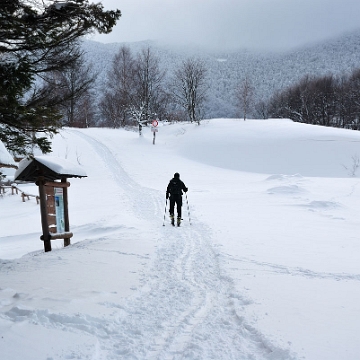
[44, 216]
[66, 211]
[154, 130]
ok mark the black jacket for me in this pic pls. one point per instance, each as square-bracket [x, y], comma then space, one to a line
[176, 187]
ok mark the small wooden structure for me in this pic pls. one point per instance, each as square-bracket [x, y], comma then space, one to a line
[50, 174]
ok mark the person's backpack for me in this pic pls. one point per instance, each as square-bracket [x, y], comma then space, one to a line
[175, 187]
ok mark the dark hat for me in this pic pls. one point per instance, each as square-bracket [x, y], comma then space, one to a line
[176, 175]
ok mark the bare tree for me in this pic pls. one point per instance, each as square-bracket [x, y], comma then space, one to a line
[111, 110]
[244, 94]
[324, 100]
[86, 111]
[133, 89]
[73, 85]
[261, 110]
[148, 87]
[189, 87]
[352, 100]
[119, 91]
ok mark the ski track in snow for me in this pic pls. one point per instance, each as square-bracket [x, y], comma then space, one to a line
[293, 271]
[186, 308]
[144, 200]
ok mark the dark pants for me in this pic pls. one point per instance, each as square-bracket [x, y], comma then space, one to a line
[175, 199]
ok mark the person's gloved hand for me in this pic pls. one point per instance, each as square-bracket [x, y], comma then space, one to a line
[167, 196]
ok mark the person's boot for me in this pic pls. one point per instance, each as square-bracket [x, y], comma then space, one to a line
[172, 219]
[178, 221]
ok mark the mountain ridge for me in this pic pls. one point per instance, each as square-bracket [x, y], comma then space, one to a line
[268, 71]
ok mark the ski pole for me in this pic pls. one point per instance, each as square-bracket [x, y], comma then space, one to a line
[188, 208]
[165, 212]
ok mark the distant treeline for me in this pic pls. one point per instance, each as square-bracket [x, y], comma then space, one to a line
[137, 88]
[327, 101]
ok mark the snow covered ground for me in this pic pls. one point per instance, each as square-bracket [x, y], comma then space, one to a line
[266, 266]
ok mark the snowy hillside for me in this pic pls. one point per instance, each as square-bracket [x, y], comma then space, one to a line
[268, 71]
[264, 266]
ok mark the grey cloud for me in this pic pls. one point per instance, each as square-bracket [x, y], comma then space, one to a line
[260, 24]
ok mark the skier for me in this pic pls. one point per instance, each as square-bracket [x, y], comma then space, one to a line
[175, 191]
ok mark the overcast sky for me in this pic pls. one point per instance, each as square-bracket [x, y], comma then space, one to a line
[264, 24]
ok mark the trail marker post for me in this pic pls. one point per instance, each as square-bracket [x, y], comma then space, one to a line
[154, 129]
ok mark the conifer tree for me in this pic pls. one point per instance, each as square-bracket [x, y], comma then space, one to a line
[38, 37]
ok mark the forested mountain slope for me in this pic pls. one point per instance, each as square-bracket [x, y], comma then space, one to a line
[268, 71]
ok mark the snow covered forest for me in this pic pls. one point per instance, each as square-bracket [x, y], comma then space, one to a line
[268, 73]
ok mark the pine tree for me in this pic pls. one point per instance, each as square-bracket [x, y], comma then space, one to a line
[37, 38]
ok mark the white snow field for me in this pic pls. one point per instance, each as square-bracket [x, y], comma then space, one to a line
[265, 267]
